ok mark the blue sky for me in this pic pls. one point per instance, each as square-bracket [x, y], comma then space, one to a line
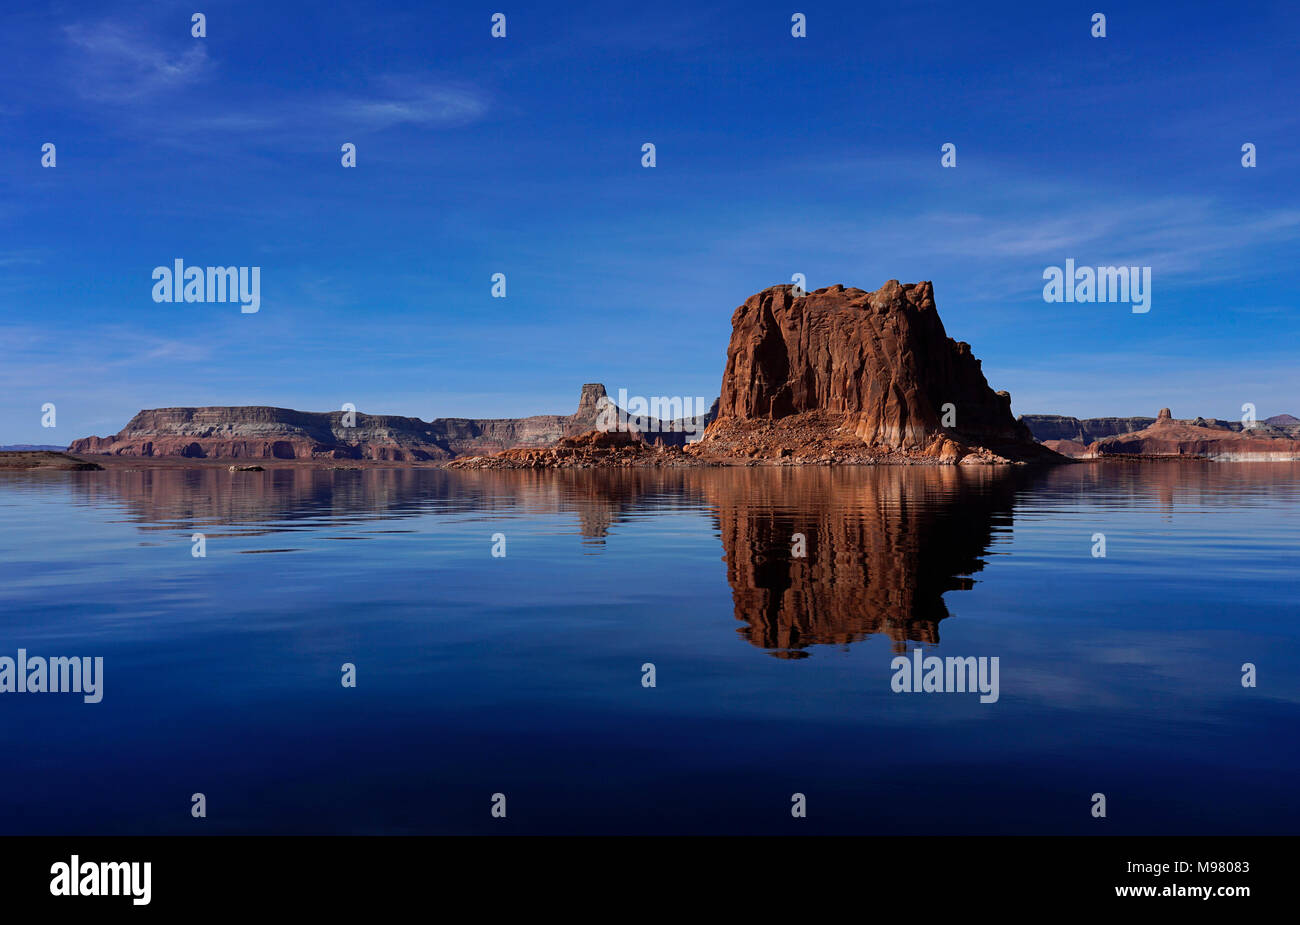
[522, 155]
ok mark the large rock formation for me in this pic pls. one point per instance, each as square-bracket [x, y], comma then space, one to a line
[860, 372]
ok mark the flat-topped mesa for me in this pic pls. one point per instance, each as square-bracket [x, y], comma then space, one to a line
[1060, 427]
[259, 432]
[878, 364]
[1077, 437]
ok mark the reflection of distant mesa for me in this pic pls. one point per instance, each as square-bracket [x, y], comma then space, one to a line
[882, 547]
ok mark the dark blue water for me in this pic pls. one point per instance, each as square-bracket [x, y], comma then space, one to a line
[522, 674]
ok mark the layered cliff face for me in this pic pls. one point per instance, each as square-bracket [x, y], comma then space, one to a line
[282, 433]
[268, 433]
[1047, 427]
[876, 367]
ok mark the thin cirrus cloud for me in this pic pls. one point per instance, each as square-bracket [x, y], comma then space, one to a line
[304, 122]
[387, 103]
[113, 63]
[407, 102]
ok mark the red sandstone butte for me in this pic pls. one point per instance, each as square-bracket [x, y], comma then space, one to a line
[847, 375]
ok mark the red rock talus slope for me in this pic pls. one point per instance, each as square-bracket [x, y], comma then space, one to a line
[1198, 439]
[593, 450]
[859, 373]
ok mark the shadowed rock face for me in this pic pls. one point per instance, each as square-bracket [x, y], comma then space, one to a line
[879, 361]
[1061, 427]
[882, 547]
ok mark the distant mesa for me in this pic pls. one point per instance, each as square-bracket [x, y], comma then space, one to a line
[1049, 427]
[1164, 436]
[1206, 439]
[281, 433]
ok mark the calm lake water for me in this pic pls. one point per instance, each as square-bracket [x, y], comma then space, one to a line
[522, 674]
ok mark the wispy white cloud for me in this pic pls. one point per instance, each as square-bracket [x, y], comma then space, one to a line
[409, 102]
[18, 258]
[113, 63]
[308, 121]
[116, 63]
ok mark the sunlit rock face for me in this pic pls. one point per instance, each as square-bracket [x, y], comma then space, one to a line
[880, 361]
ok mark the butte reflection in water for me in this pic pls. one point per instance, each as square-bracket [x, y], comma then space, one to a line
[881, 545]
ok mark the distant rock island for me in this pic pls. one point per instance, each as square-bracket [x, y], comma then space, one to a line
[1276, 438]
[1047, 428]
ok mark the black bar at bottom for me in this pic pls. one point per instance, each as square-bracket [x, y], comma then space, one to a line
[642, 875]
